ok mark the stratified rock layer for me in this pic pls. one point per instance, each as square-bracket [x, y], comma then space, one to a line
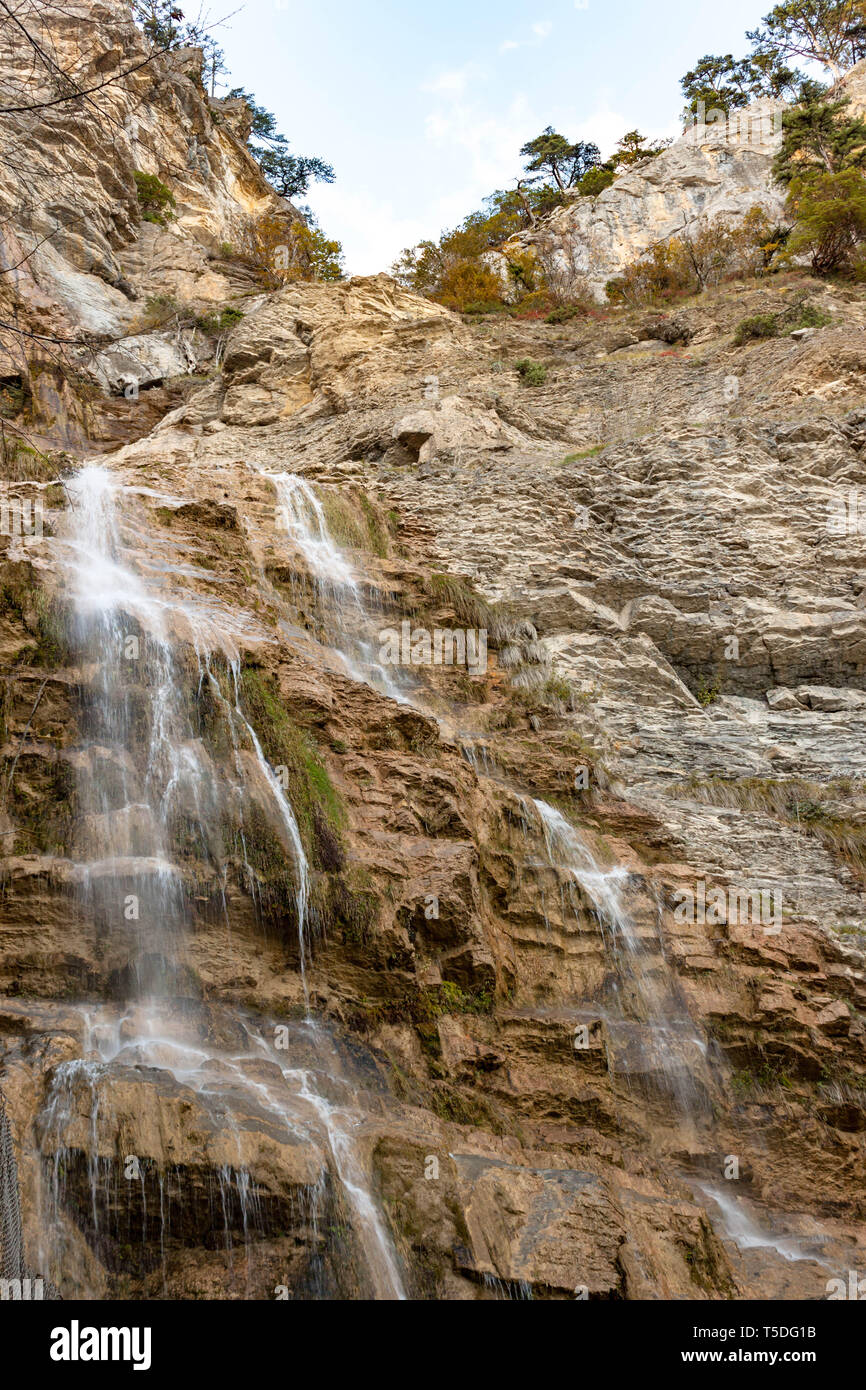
[664, 549]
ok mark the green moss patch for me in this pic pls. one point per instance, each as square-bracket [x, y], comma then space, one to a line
[356, 522]
[318, 809]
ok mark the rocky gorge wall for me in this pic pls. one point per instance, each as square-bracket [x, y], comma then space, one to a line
[720, 167]
[485, 990]
[91, 278]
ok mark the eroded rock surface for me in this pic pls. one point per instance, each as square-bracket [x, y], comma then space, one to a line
[546, 1019]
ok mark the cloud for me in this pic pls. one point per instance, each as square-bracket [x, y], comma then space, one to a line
[540, 31]
[452, 82]
[491, 141]
[372, 230]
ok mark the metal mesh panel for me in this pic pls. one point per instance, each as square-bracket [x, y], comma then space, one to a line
[12, 1263]
[11, 1242]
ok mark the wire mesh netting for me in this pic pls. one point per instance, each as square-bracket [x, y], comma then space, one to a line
[13, 1268]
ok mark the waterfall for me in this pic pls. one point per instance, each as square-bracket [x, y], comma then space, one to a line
[738, 1226]
[147, 646]
[661, 1043]
[132, 631]
[300, 517]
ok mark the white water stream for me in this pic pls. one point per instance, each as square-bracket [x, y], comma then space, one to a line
[147, 644]
[660, 1043]
[300, 519]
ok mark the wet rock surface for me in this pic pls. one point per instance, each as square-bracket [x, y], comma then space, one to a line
[560, 991]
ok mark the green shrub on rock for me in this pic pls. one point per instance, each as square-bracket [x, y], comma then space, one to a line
[531, 373]
[154, 198]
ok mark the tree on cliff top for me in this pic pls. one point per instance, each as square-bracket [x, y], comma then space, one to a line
[726, 83]
[161, 21]
[552, 155]
[632, 148]
[831, 33]
[828, 32]
[290, 174]
[165, 26]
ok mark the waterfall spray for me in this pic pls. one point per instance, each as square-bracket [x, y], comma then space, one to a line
[143, 770]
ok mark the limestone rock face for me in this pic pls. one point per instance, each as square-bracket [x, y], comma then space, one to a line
[678, 597]
[717, 168]
[579, 923]
[82, 260]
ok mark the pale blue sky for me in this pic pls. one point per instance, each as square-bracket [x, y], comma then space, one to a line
[422, 108]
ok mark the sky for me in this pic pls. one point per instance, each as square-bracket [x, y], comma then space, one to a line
[422, 107]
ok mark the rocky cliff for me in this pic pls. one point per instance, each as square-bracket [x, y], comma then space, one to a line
[93, 278]
[720, 167]
[328, 970]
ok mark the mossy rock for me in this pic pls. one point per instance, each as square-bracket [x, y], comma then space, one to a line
[292, 752]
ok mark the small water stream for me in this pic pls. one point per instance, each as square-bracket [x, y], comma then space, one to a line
[659, 1043]
[145, 645]
[301, 524]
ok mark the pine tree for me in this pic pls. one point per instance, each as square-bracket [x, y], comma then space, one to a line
[290, 174]
[551, 154]
[633, 147]
[817, 135]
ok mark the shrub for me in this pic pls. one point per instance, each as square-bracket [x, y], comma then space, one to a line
[532, 306]
[830, 218]
[595, 181]
[524, 272]
[584, 454]
[283, 251]
[469, 282]
[531, 373]
[160, 309]
[425, 267]
[154, 198]
[809, 316]
[701, 255]
[708, 694]
[487, 306]
[664, 271]
[756, 326]
[219, 323]
[564, 312]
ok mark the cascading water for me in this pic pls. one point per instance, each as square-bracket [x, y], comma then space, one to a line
[144, 772]
[741, 1228]
[660, 1043]
[300, 517]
